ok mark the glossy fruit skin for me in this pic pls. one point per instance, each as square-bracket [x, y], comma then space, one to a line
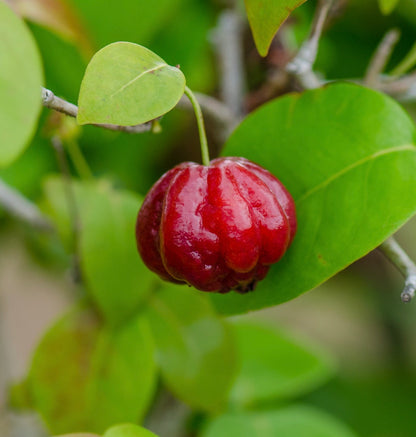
[217, 227]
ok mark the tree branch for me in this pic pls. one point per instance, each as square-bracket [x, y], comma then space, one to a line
[227, 39]
[395, 253]
[212, 108]
[302, 65]
[402, 89]
[21, 208]
[380, 58]
[51, 101]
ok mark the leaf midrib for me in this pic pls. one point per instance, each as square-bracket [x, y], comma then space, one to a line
[150, 70]
[354, 165]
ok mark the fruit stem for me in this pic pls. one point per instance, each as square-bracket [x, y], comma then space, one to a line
[201, 127]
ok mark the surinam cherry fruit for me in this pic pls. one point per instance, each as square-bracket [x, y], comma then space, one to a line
[216, 227]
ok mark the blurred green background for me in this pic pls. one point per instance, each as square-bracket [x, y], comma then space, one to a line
[357, 316]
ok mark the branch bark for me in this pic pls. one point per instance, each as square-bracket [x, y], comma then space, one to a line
[395, 253]
[301, 65]
[51, 101]
[212, 108]
[227, 39]
[21, 208]
[380, 58]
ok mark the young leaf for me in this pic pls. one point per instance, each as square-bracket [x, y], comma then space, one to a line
[128, 430]
[348, 156]
[20, 82]
[195, 348]
[275, 366]
[297, 420]
[265, 18]
[86, 376]
[127, 84]
[115, 276]
[387, 6]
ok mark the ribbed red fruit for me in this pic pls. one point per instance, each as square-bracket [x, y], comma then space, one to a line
[216, 227]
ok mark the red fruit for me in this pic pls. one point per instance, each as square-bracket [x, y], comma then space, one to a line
[216, 227]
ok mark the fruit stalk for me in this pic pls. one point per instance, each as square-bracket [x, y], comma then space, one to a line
[201, 127]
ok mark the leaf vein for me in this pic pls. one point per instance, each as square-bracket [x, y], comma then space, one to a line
[150, 70]
[354, 165]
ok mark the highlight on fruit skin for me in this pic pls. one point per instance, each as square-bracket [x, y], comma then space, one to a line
[217, 227]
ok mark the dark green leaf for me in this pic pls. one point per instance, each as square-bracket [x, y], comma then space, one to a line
[127, 84]
[128, 430]
[275, 366]
[294, 421]
[195, 348]
[265, 18]
[86, 376]
[347, 155]
[20, 82]
[126, 20]
[113, 270]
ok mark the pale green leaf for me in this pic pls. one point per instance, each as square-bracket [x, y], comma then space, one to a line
[114, 273]
[127, 84]
[87, 376]
[195, 348]
[20, 82]
[128, 430]
[294, 421]
[347, 154]
[265, 18]
[275, 365]
[387, 6]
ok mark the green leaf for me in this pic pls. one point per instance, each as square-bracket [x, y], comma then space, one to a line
[347, 156]
[87, 376]
[387, 6]
[128, 430]
[114, 273]
[406, 64]
[127, 84]
[275, 365]
[265, 18]
[195, 348]
[298, 420]
[127, 20]
[20, 82]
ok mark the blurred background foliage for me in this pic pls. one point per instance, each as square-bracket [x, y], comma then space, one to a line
[356, 316]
